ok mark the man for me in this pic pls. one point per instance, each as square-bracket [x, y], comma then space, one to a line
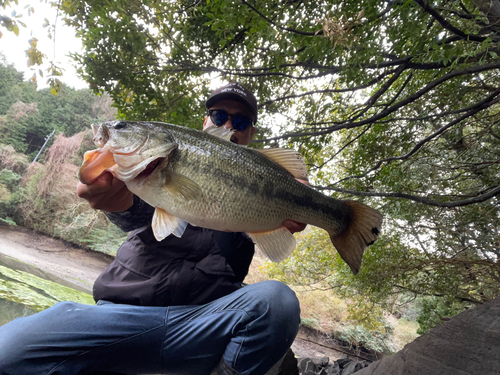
[175, 306]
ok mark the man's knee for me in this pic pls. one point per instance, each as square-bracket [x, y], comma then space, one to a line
[22, 337]
[279, 302]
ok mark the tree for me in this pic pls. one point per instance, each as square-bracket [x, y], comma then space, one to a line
[9, 77]
[31, 115]
[394, 102]
[35, 57]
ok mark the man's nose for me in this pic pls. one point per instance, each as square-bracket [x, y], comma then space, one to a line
[229, 123]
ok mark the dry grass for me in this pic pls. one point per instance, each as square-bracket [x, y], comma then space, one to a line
[13, 160]
[405, 331]
[324, 311]
[319, 309]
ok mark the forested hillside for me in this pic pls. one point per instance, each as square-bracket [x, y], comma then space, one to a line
[41, 194]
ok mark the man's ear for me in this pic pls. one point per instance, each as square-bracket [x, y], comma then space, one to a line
[252, 131]
[205, 122]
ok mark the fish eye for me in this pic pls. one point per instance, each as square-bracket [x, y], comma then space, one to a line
[120, 125]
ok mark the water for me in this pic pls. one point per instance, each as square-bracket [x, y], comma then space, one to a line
[25, 290]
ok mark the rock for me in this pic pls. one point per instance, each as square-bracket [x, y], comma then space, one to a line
[349, 369]
[334, 369]
[353, 367]
[321, 362]
[467, 344]
[330, 371]
[342, 362]
[307, 365]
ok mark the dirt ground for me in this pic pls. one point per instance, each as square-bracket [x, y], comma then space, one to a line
[70, 263]
[81, 267]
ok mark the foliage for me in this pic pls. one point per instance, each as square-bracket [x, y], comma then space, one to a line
[394, 102]
[12, 164]
[49, 203]
[32, 115]
[436, 311]
[45, 199]
[393, 275]
[374, 340]
[9, 179]
[89, 228]
[35, 57]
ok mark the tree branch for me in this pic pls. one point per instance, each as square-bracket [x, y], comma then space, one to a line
[431, 202]
[448, 26]
[306, 33]
[430, 86]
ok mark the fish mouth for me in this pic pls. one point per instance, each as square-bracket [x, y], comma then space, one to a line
[150, 168]
[95, 163]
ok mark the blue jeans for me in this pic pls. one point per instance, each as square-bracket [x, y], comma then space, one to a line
[251, 329]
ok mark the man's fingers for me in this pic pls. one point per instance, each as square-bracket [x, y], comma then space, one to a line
[293, 226]
[106, 193]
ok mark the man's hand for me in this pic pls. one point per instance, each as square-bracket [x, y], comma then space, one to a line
[107, 193]
[293, 226]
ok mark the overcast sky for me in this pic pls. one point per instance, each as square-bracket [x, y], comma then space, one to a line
[14, 47]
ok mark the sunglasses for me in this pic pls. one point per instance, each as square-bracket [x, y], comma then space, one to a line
[219, 117]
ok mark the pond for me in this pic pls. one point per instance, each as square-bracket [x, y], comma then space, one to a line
[25, 289]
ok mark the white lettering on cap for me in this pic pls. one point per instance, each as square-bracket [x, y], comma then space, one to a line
[230, 89]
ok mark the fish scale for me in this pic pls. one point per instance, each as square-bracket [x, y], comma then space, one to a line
[210, 182]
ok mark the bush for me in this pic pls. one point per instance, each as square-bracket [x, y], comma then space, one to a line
[379, 341]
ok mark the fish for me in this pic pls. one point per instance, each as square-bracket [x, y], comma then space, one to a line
[201, 178]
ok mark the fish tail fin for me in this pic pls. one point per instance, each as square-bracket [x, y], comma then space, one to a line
[363, 230]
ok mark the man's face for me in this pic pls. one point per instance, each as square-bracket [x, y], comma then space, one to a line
[233, 107]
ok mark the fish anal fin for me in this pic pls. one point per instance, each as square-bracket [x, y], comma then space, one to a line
[165, 224]
[363, 230]
[220, 132]
[291, 160]
[182, 187]
[276, 245]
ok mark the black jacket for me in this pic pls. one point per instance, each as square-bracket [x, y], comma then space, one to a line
[197, 268]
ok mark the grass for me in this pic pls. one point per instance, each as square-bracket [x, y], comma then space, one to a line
[405, 331]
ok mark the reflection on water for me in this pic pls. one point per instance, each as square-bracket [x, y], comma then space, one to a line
[25, 289]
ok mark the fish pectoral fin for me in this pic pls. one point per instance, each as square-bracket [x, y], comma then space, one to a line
[182, 187]
[165, 224]
[291, 160]
[276, 245]
[220, 132]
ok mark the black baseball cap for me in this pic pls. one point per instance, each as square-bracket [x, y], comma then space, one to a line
[234, 91]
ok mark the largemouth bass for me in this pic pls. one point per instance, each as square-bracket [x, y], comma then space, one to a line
[201, 178]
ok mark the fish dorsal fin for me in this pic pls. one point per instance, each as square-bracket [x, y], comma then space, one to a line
[165, 224]
[276, 244]
[220, 132]
[182, 187]
[291, 160]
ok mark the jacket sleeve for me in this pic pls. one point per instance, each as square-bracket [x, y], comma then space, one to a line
[137, 216]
